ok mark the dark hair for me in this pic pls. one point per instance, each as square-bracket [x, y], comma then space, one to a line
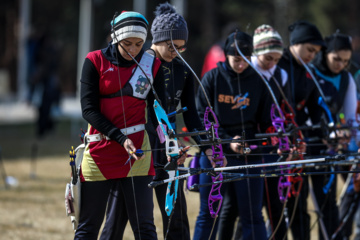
[338, 41]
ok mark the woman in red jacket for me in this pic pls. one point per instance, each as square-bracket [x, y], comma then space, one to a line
[113, 101]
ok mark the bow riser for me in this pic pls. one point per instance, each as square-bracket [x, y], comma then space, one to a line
[172, 150]
[215, 194]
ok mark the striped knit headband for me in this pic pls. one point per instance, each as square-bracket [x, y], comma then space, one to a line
[127, 25]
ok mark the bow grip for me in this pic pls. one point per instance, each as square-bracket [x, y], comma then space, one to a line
[321, 103]
[278, 124]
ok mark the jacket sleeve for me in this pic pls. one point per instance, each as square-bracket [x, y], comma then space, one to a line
[90, 105]
[315, 111]
[263, 114]
[350, 102]
[286, 86]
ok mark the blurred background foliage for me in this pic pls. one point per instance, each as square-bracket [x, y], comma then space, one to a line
[207, 21]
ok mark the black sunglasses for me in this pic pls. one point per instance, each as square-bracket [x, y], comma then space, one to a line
[180, 49]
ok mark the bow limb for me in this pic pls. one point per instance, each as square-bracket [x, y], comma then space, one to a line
[298, 140]
[217, 151]
[287, 183]
[171, 144]
[284, 183]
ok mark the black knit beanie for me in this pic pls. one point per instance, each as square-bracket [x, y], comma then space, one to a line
[338, 41]
[243, 40]
[168, 21]
[305, 32]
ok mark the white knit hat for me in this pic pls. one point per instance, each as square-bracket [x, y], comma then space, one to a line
[266, 40]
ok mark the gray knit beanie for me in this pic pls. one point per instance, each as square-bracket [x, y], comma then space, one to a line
[167, 18]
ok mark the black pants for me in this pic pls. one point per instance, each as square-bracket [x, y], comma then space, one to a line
[348, 209]
[300, 226]
[229, 208]
[274, 207]
[326, 202]
[248, 198]
[119, 195]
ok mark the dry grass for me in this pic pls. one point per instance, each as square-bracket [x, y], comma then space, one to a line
[35, 208]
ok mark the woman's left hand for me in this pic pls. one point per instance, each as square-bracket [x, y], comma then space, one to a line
[182, 154]
[209, 155]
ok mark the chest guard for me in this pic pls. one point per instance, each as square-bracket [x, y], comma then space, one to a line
[138, 85]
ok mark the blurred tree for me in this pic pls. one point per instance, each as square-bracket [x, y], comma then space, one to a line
[61, 20]
[8, 45]
[206, 20]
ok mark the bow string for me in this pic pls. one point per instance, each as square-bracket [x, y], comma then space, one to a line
[217, 151]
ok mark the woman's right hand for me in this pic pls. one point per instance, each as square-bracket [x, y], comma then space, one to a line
[131, 149]
[290, 153]
[236, 146]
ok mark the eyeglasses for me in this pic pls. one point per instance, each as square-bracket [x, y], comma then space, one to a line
[180, 49]
[340, 60]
